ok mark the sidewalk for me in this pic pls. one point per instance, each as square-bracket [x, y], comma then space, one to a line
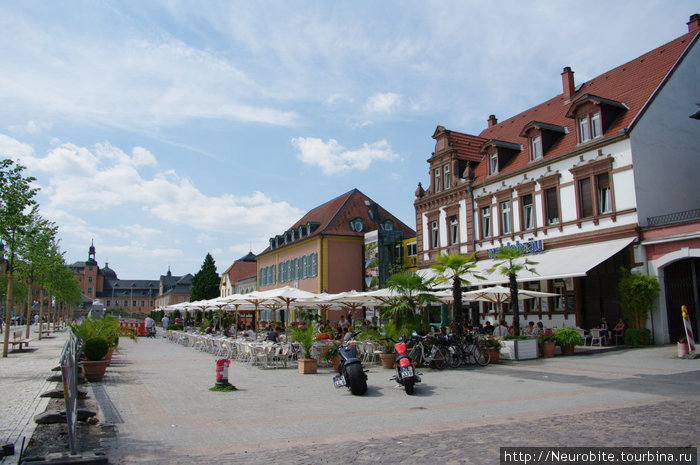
[157, 396]
[22, 379]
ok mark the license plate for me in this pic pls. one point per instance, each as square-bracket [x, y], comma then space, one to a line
[407, 372]
[339, 381]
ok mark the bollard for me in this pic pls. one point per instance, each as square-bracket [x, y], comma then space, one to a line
[222, 383]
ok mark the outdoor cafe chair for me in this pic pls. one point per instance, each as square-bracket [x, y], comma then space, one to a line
[598, 337]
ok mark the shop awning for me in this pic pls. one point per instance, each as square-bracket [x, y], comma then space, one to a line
[565, 262]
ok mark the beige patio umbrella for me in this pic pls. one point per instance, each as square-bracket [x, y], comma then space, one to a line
[500, 295]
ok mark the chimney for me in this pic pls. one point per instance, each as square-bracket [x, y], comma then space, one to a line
[492, 120]
[567, 81]
[694, 23]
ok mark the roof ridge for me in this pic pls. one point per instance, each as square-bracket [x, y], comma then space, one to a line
[350, 194]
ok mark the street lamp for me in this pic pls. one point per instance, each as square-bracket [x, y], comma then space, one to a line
[131, 302]
[113, 301]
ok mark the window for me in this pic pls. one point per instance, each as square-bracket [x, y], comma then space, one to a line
[412, 249]
[506, 220]
[89, 279]
[357, 225]
[300, 269]
[434, 235]
[89, 290]
[446, 176]
[493, 163]
[535, 147]
[109, 303]
[604, 193]
[551, 205]
[314, 264]
[589, 127]
[388, 225]
[585, 198]
[143, 303]
[485, 222]
[437, 180]
[133, 303]
[454, 230]
[526, 205]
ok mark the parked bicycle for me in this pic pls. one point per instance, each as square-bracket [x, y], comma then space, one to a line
[427, 352]
[467, 350]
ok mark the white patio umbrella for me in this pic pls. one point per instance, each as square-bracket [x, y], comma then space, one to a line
[500, 295]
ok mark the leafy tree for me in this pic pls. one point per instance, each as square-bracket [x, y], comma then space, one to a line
[412, 290]
[16, 206]
[205, 284]
[513, 262]
[638, 293]
[454, 268]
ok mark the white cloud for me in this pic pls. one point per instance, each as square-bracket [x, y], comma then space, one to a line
[334, 158]
[104, 177]
[31, 127]
[12, 148]
[383, 103]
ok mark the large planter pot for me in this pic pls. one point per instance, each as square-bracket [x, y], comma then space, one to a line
[495, 354]
[387, 360]
[548, 349]
[519, 349]
[336, 362]
[682, 349]
[108, 357]
[94, 371]
[567, 349]
[308, 366]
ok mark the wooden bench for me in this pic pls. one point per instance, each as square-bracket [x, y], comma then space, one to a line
[18, 340]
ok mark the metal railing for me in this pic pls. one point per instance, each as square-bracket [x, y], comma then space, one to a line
[69, 367]
[677, 217]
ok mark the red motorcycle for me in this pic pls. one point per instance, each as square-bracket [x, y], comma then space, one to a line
[405, 370]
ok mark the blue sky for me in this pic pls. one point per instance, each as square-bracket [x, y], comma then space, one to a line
[166, 130]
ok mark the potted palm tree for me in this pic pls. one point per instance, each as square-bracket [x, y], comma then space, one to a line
[304, 335]
[95, 366]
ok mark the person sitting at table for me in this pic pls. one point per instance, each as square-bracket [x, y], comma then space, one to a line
[249, 333]
[230, 331]
[339, 332]
[274, 335]
[347, 335]
[210, 329]
[617, 330]
[530, 330]
[488, 328]
[539, 329]
[501, 329]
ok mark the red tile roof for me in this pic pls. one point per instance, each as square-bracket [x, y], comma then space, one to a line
[633, 84]
[333, 217]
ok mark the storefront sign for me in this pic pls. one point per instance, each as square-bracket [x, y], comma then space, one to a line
[531, 246]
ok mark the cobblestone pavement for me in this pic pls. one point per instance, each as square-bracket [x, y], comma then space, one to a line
[156, 394]
[22, 379]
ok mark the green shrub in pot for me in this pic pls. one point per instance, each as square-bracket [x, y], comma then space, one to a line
[95, 348]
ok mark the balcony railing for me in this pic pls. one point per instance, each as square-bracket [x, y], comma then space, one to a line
[671, 218]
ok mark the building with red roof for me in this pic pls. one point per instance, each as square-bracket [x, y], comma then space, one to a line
[579, 181]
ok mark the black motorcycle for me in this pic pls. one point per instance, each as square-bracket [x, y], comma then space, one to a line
[351, 374]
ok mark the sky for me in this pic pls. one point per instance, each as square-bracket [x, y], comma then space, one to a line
[166, 130]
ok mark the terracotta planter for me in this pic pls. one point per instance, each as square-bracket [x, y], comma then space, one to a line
[387, 360]
[495, 354]
[567, 349]
[308, 366]
[548, 349]
[336, 362]
[94, 371]
[108, 357]
[682, 349]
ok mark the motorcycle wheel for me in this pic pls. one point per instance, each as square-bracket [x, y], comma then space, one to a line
[408, 386]
[355, 377]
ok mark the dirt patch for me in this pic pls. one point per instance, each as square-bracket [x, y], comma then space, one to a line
[54, 438]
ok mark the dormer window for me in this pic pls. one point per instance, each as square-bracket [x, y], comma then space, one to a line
[388, 225]
[493, 163]
[437, 180]
[594, 116]
[357, 225]
[535, 147]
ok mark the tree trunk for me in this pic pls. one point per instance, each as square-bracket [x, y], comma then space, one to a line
[8, 310]
[456, 299]
[41, 311]
[515, 303]
[29, 309]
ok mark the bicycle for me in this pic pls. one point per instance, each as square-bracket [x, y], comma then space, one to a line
[436, 358]
[472, 350]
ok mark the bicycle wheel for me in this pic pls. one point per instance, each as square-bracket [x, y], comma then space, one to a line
[454, 357]
[482, 355]
[438, 362]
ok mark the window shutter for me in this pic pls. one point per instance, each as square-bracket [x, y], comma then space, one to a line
[585, 197]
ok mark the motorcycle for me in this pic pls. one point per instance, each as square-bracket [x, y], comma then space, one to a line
[351, 374]
[406, 374]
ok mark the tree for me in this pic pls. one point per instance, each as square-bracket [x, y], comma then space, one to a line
[638, 293]
[16, 205]
[205, 284]
[412, 290]
[454, 268]
[513, 263]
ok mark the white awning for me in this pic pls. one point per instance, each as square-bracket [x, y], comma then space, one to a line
[565, 262]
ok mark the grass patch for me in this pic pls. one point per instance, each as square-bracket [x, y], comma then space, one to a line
[223, 388]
